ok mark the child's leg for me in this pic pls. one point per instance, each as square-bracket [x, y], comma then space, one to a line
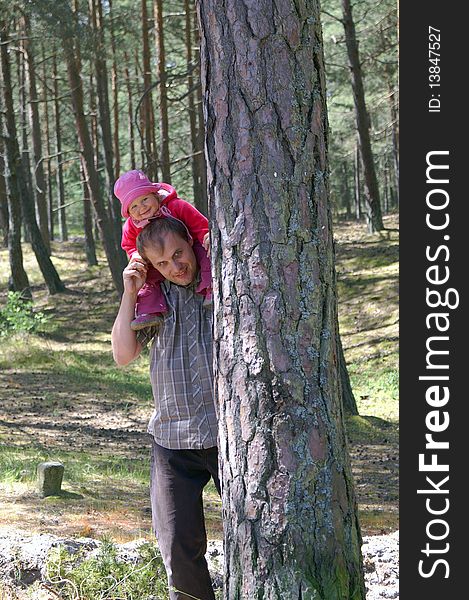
[150, 302]
[205, 285]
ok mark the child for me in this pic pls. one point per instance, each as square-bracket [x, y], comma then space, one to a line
[142, 201]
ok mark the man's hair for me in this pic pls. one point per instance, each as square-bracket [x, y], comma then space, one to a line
[155, 232]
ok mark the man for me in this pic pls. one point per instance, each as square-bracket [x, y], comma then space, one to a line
[183, 424]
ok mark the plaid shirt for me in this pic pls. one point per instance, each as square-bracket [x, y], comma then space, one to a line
[181, 373]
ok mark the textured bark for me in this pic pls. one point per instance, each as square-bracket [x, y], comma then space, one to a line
[19, 192]
[115, 256]
[162, 77]
[201, 162]
[290, 516]
[373, 213]
[39, 179]
[3, 197]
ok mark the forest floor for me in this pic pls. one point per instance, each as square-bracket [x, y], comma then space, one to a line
[62, 398]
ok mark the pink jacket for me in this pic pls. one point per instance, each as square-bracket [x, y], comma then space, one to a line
[195, 221]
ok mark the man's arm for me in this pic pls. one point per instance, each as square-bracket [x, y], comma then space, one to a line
[125, 347]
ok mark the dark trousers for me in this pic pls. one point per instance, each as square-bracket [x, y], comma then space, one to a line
[178, 478]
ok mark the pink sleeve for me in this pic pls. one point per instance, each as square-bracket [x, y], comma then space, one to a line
[129, 237]
[194, 220]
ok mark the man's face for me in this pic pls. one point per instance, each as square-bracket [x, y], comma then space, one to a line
[175, 261]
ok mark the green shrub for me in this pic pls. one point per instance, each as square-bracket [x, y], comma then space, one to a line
[18, 315]
[105, 577]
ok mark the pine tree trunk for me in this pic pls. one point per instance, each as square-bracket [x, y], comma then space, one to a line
[346, 190]
[19, 186]
[3, 195]
[39, 178]
[63, 231]
[200, 194]
[23, 125]
[373, 213]
[130, 112]
[161, 57]
[358, 208]
[45, 100]
[290, 516]
[115, 96]
[348, 399]
[151, 166]
[90, 248]
[201, 159]
[115, 256]
[104, 114]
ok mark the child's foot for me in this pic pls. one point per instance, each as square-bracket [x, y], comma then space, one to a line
[148, 320]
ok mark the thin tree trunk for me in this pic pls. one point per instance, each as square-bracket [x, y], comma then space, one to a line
[90, 248]
[198, 167]
[3, 194]
[115, 255]
[161, 57]
[358, 210]
[150, 160]
[45, 100]
[62, 215]
[346, 190]
[348, 399]
[115, 97]
[15, 165]
[104, 115]
[28, 183]
[130, 113]
[373, 206]
[39, 179]
[201, 158]
[290, 516]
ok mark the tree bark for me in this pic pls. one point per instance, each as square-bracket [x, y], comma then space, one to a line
[3, 195]
[348, 399]
[161, 57]
[151, 166]
[290, 516]
[18, 188]
[104, 115]
[115, 255]
[45, 100]
[90, 248]
[358, 208]
[62, 215]
[201, 158]
[39, 179]
[373, 206]
[198, 157]
[115, 97]
[130, 112]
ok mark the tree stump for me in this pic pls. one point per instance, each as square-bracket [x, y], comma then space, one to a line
[49, 478]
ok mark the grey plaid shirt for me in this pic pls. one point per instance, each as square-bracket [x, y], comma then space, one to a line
[181, 373]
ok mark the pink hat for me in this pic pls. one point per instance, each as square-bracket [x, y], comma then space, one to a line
[131, 185]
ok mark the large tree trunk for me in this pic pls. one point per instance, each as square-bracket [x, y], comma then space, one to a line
[290, 516]
[38, 171]
[164, 127]
[373, 213]
[16, 168]
[115, 256]
[348, 399]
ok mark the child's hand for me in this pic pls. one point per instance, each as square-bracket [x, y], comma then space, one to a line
[206, 243]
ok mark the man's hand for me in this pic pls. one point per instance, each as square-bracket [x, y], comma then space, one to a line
[206, 243]
[134, 274]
